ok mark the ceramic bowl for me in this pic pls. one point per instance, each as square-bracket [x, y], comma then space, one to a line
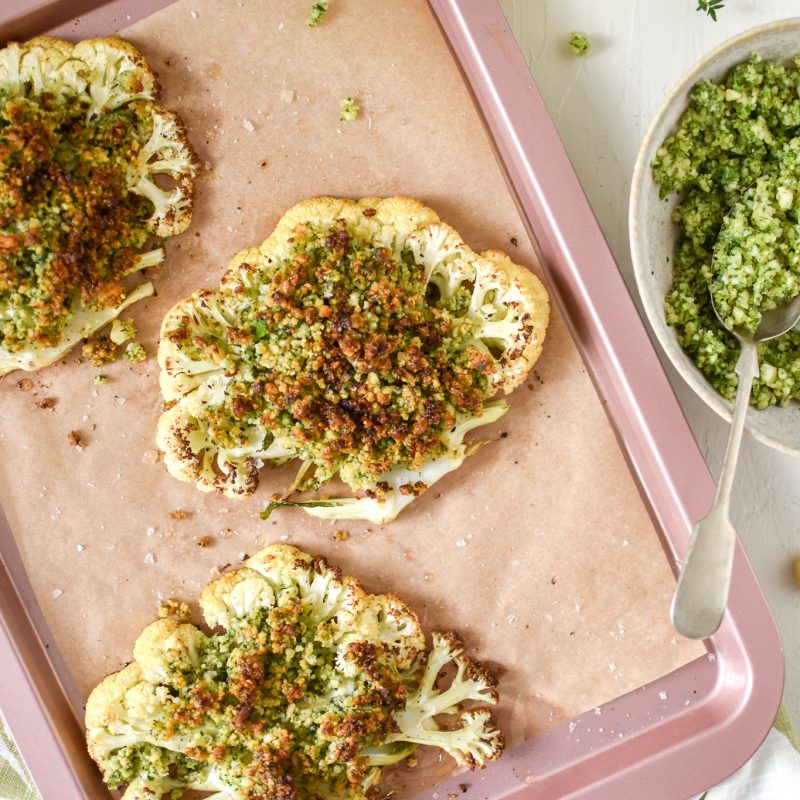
[653, 234]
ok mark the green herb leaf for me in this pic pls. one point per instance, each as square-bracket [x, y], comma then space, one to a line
[260, 328]
[710, 7]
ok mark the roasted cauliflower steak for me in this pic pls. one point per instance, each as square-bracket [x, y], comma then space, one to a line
[364, 338]
[309, 687]
[84, 153]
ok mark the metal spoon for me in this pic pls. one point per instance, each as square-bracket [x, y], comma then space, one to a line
[702, 591]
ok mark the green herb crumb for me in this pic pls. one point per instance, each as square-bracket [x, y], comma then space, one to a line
[318, 11]
[100, 379]
[348, 109]
[734, 158]
[134, 353]
[579, 44]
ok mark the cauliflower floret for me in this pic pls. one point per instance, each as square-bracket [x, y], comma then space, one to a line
[364, 339]
[313, 684]
[166, 152]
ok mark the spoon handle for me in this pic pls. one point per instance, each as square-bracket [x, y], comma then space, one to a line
[746, 369]
[702, 591]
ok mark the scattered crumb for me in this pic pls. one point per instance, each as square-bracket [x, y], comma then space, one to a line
[579, 44]
[226, 533]
[25, 385]
[341, 536]
[217, 570]
[150, 456]
[178, 513]
[348, 109]
[204, 541]
[74, 438]
[134, 353]
[100, 351]
[177, 609]
[120, 401]
[47, 403]
[243, 556]
[318, 11]
[287, 95]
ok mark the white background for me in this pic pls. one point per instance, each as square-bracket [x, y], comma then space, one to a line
[602, 105]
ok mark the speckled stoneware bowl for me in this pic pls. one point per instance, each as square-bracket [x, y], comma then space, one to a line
[653, 234]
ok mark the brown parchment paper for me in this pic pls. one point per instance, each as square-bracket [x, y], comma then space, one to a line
[538, 549]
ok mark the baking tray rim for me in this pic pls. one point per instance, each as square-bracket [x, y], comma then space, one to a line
[736, 687]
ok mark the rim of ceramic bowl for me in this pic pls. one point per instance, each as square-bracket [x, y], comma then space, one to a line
[653, 306]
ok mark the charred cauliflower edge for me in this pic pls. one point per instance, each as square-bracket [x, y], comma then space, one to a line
[312, 687]
[504, 324]
[105, 74]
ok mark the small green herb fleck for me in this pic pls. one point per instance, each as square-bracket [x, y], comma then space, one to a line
[100, 379]
[579, 44]
[348, 109]
[318, 11]
[710, 7]
[260, 328]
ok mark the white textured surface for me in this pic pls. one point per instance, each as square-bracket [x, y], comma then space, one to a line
[602, 105]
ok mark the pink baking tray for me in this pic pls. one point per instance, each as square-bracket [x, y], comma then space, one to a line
[666, 741]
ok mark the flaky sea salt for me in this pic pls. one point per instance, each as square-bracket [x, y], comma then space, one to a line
[57, 593]
[248, 125]
[287, 95]
[461, 543]
[149, 559]
[662, 695]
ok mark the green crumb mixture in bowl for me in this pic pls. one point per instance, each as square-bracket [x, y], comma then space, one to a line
[735, 161]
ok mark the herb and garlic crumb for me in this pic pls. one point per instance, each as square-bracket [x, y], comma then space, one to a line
[100, 351]
[349, 109]
[134, 353]
[318, 11]
[736, 141]
[579, 44]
